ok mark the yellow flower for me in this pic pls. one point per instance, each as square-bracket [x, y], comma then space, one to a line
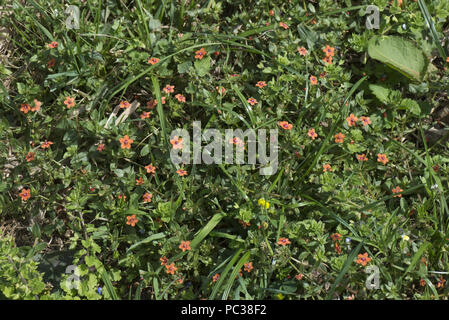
[405, 237]
[261, 202]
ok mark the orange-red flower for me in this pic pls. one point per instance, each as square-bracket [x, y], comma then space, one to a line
[261, 84]
[363, 259]
[69, 102]
[132, 220]
[46, 144]
[397, 190]
[145, 115]
[169, 89]
[382, 157]
[327, 167]
[181, 172]
[53, 44]
[313, 80]
[30, 156]
[125, 104]
[37, 105]
[150, 169]
[221, 90]
[252, 101]
[185, 245]
[271, 12]
[299, 276]
[139, 181]
[126, 142]
[422, 283]
[51, 63]
[336, 237]
[311, 133]
[362, 157]
[283, 25]
[162, 100]
[329, 51]
[200, 54]
[440, 283]
[100, 147]
[147, 197]
[163, 260]
[283, 241]
[285, 125]
[352, 120]
[151, 104]
[25, 107]
[327, 59]
[337, 248]
[171, 269]
[237, 141]
[302, 51]
[176, 142]
[25, 194]
[216, 277]
[365, 120]
[121, 196]
[180, 97]
[447, 59]
[339, 137]
[153, 60]
[248, 266]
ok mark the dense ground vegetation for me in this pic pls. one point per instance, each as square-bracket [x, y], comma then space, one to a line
[92, 207]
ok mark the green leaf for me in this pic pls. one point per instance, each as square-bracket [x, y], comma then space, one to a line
[399, 54]
[202, 66]
[184, 67]
[411, 106]
[206, 229]
[153, 237]
[145, 150]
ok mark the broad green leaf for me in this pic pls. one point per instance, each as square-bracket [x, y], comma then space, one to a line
[399, 54]
[202, 66]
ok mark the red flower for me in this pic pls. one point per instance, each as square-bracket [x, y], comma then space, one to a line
[382, 157]
[180, 97]
[283, 25]
[69, 102]
[163, 260]
[176, 143]
[339, 137]
[37, 105]
[51, 63]
[336, 237]
[285, 125]
[125, 104]
[150, 169]
[185, 245]
[145, 115]
[362, 157]
[363, 259]
[200, 54]
[132, 220]
[100, 147]
[313, 80]
[169, 89]
[147, 197]
[397, 190]
[30, 156]
[352, 120]
[302, 51]
[46, 144]
[153, 61]
[248, 266]
[216, 277]
[327, 167]
[181, 172]
[171, 269]
[25, 194]
[261, 84]
[53, 45]
[329, 51]
[252, 101]
[311, 133]
[126, 142]
[299, 276]
[365, 120]
[283, 241]
[327, 60]
[25, 107]
[139, 181]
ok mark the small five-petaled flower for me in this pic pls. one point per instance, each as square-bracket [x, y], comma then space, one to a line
[132, 220]
[185, 245]
[283, 241]
[363, 259]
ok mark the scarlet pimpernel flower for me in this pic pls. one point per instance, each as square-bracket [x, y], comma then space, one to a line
[126, 142]
[397, 190]
[30, 156]
[261, 84]
[248, 266]
[150, 169]
[180, 97]
[147, 197]
[200, 54]
[339, 137]
[25, 194]
[285, 125]
[362, 157]
[153, 61]
[170, 268]
[313, 80]
[46, 144]
[352, 120]
[302, 51]
[131, 220]
[382, 157]
[181, 172]
[176, 142]
[311, 133]
[169, 89]
[329, 51]
[185, 245]
[283, 241]
[363, 259]
[69, 102]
